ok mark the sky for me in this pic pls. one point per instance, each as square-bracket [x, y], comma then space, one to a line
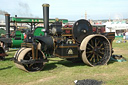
[66, 9]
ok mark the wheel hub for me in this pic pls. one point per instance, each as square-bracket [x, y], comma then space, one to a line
[96, 50]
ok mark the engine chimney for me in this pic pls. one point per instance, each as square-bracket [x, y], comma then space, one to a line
[15, 27]
[46, 17]
[7, 21]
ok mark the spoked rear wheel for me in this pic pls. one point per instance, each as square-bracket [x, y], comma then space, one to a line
[96, 50]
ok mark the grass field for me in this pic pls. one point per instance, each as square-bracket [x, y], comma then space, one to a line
[62, 72]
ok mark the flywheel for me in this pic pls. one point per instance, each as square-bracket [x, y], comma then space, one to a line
[81, 29]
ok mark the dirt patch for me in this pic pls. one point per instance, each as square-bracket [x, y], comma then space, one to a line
[40, 81]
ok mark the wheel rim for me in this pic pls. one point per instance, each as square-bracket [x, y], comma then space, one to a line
[97, 50]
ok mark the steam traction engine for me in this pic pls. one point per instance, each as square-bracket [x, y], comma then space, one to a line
[78, 42]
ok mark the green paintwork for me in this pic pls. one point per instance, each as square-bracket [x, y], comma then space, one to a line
[34, 20]
[39, 31]
[2, 31]
[16, 43]
[18, 34]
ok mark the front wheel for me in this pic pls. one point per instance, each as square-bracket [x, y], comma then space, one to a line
[26, 54]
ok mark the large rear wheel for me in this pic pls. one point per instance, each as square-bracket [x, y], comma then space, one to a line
[96, 50]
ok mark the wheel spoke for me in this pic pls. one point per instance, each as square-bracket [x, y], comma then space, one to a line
[95, 42]
[97, 57]
[98, 42]
[101, 52]
[89, 52]
[88, 48]
[91, 42]
[100, 45]
[90, 45]
[101, 48]
[92, 57]
[89, 55]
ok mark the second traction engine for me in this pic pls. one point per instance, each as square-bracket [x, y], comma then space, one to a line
[76, 42]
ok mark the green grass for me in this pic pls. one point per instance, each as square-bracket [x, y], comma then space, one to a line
[122, 45]
[62, 72]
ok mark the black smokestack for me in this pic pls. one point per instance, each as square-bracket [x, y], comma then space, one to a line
[46, 17]
[15, 15]
[15, 24]
[7, 21]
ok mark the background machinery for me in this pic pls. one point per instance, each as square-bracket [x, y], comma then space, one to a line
[14, 40]
[80, 41]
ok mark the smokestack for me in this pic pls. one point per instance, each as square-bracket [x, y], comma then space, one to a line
[15, 15]
[15, 24]
[7, 21]
[46, 17]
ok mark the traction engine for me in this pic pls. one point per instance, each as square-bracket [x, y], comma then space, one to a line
[78, 42]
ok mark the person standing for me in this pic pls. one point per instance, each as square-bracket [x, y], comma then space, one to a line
[126, 35]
